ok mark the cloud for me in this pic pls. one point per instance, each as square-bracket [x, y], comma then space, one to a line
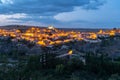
[94, 4]
[23, 19]
[6, 2]
[43, 11]
[8, 16]
[11, 18]
[46, 7]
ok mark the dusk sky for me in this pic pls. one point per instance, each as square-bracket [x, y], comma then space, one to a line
[61, 13]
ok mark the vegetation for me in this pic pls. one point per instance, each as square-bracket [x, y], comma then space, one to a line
[96, 68]
[16, 65]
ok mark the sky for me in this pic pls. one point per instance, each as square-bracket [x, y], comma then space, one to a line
[61, 13]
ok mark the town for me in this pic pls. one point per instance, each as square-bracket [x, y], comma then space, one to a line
[51, 36]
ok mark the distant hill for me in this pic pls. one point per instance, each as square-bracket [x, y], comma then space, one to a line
[24, 27]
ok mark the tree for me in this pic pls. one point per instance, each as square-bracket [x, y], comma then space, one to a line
[59, 69]
[114, 77]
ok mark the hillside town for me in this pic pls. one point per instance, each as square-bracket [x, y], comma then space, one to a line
[52, 36]
[60, 42]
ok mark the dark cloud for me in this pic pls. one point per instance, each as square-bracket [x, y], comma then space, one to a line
[94, 4]
[33, 9]
[48, 7]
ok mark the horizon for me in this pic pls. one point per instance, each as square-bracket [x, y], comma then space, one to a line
[39, 26]
[93, 14]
